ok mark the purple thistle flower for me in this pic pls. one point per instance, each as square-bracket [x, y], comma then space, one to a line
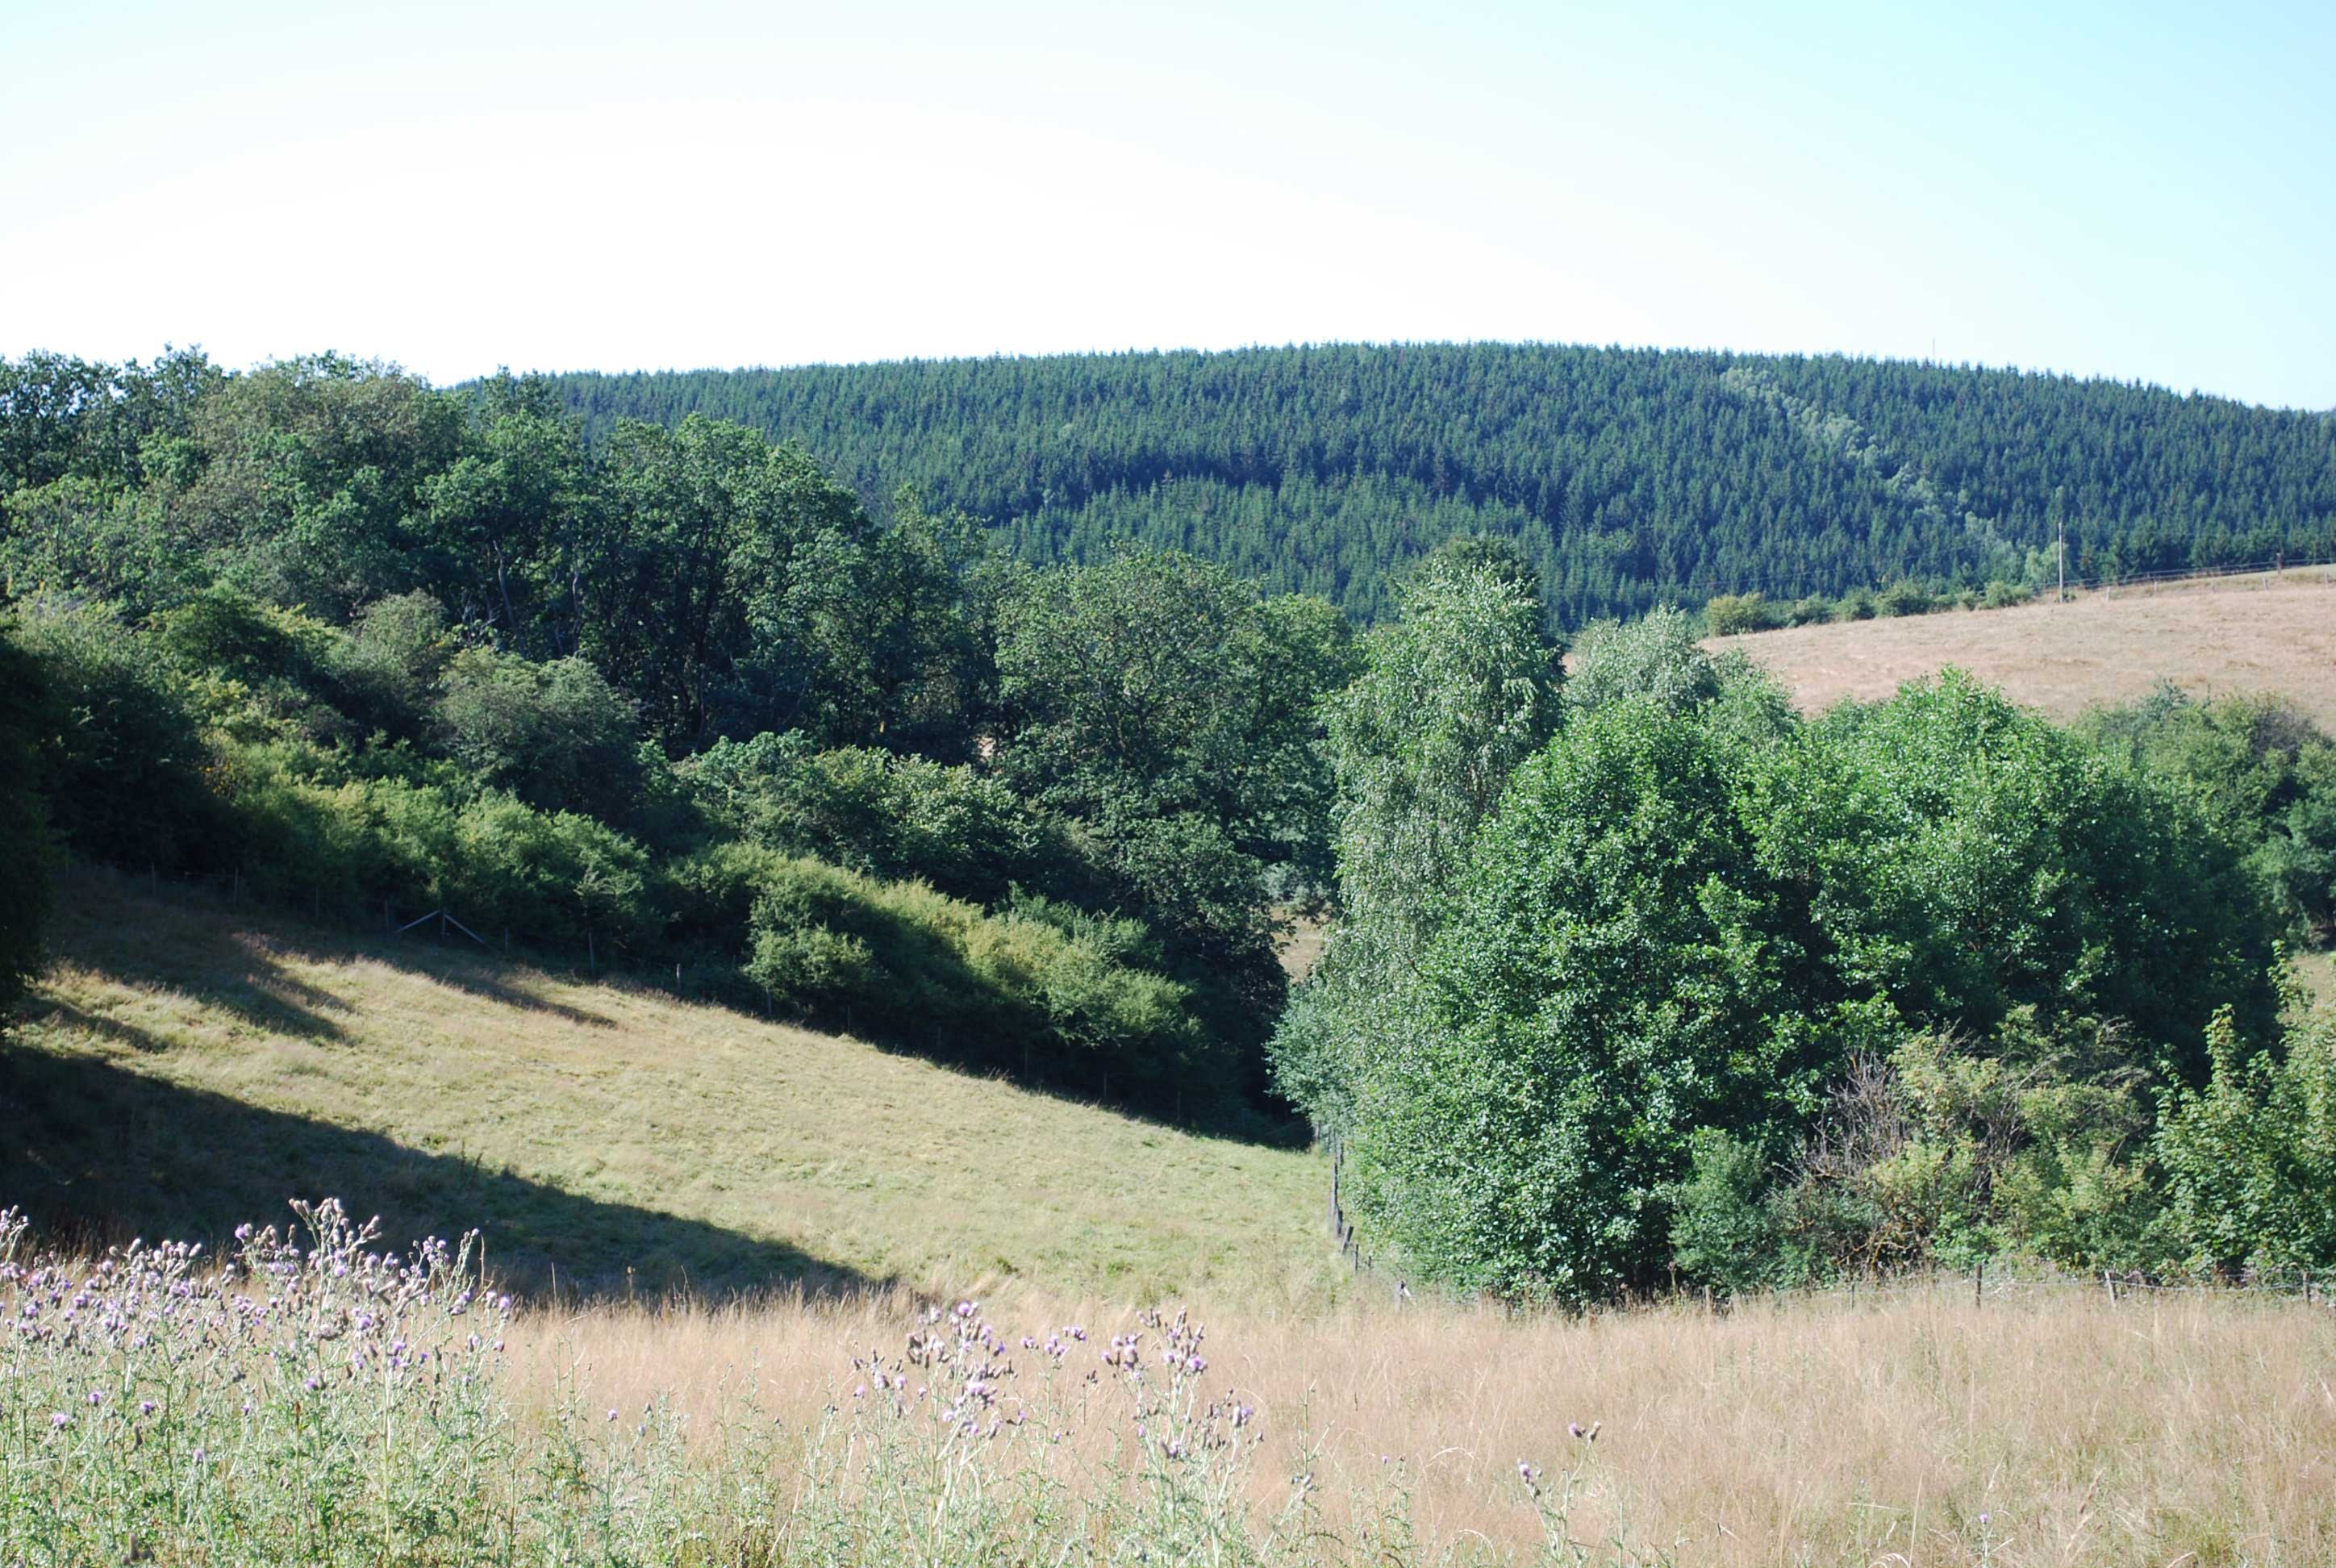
[60, 1421]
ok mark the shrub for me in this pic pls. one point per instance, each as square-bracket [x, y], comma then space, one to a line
[555, 734]
[2247, 1159]
[1904, 597]
[2001, 595]
[122, 758]
[547, 877]
[387, 664]
[495, 864]
[1732, 614]
[804, 966]
[317, 843]
[1047, 994]
[1656, 658]
[1724, 1226]
[1946, 1148]
[888, 815]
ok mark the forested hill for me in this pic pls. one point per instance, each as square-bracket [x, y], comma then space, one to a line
[1631, 476]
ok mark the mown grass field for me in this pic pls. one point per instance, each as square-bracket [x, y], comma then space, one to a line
[2212, 636]
[185, 1065]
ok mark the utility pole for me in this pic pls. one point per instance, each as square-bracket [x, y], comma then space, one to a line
[2059, 516]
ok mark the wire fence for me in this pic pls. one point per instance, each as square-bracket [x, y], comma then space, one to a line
[2007, 1284]
[2306, 564]
[2304, 570]
[386, 919]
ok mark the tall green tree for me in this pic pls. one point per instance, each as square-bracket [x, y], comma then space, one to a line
[1452, 697]
[303, 479]
[1170, 707]
[508, 520]
[716, 547]
[1618, 971]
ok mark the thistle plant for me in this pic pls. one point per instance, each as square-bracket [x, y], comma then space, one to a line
[313, 1397]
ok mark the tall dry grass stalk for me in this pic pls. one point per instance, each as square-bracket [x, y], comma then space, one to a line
[1905, 1427]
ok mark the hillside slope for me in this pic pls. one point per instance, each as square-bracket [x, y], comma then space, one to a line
[2258, 633]
[185, 1065]
[1631, 477]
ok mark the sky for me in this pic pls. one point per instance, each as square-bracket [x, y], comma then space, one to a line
[2136, 190]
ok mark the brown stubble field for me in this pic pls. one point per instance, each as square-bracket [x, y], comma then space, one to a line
[2262, 632]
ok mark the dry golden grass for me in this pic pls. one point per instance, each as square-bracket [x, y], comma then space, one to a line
[1908, 1427]
[2317, 971]
[1302, 947]
[2211, 636]
[183, 1066]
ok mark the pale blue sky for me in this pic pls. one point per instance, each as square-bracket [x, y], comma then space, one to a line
[2141, 190]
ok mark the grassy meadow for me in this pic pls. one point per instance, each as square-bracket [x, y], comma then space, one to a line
[2262, 632]
[184, 1065]
[743, 1218]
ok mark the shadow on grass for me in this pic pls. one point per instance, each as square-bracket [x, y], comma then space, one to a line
[191, 939]
[65, 1015]
[97, 1152]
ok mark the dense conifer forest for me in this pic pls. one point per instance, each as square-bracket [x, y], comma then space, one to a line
[1630, 477]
